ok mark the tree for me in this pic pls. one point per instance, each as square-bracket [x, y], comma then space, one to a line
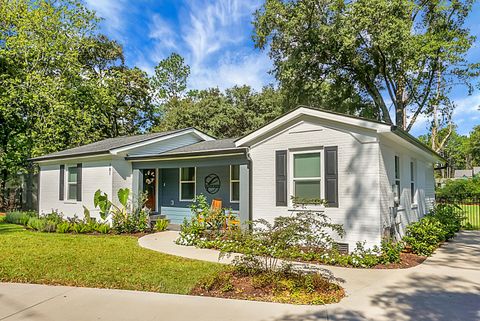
[61, 83]
[409, 52]
[474, 145]
[224, 115]
[170, 79]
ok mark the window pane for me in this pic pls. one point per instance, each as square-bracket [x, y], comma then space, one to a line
[188, 191]
[412, 171]
[307, 189]
[306, 165]
[235, 191]
[412, 190]
[188, 173]
[72, 191]
[72, 174]
[235, 172]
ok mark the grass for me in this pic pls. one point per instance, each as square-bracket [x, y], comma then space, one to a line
[473, 215]
[94, 261]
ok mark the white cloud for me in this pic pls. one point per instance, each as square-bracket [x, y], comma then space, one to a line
[213, 37]
[112, 11]
[250, 69]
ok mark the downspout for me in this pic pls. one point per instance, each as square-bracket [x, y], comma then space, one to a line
[250, 185]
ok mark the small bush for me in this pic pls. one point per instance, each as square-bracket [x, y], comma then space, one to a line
[64, 227]
[82, 228]
[424, 236]
[450, 216]
[161, 225]
[391, 251]
[102, 228]
[36, 224]
[19, 217]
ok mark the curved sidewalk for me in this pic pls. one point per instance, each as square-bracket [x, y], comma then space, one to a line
[354, 279]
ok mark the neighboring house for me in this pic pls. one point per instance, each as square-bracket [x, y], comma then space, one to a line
[476, 171]
[463, 173]
[375, 178]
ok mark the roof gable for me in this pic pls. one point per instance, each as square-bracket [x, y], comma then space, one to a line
[119, 144]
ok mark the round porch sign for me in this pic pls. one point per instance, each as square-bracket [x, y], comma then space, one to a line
[212, 183]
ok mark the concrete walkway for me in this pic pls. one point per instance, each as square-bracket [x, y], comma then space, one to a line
[444, 288]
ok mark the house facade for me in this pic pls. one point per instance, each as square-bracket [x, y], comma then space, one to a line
[375, 178]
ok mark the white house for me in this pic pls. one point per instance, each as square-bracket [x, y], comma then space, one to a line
[375, 178]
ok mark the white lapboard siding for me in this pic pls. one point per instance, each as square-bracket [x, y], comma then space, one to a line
[165, 145]
[409, 210]
[95, 175]
[358, 179]
[121, 177]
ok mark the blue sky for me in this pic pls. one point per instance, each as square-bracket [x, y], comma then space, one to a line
[214, 37]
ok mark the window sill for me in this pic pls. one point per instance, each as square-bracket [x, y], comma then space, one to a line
[414, 206]
[290, 208]
[71, 202]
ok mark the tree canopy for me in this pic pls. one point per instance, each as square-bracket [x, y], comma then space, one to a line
[407, 53]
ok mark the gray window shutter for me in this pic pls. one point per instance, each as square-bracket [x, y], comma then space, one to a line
[79, 182]
[331, 176]
[281, 177]
[61, 191]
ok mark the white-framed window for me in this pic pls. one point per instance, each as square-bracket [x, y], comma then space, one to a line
[234, 183]
[397, 175]
[306, 174]
[413, 191]
[188, 183]
[72, 174]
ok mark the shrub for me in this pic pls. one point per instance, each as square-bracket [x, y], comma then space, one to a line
[64, 227]
[391, 251]
[450, 216]
[81, 228]
[424, 236]
[102, 228]
[36, 224]
[460, 189]
[161, 225]
[19, 217]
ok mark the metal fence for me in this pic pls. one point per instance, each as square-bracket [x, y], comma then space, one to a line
[468, 206]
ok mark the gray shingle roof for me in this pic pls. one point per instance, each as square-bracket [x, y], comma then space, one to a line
[104, 146]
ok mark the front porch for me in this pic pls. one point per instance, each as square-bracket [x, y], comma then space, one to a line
[172, 183]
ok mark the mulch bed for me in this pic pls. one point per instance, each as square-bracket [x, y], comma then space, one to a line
[243, 289]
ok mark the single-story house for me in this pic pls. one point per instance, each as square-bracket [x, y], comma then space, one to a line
[375, 178]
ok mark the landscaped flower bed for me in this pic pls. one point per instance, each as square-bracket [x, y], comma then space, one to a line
[306, 237]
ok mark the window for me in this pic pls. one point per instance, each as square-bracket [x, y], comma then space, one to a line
[187, 183]
[412, 181]
[397, 175]
[234, 183]
[307, 180]
[72, 182]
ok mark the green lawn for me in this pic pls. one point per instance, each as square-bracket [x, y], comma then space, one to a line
[473, 215]
[107, 261]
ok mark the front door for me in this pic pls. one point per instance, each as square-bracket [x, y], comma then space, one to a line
[149, 187]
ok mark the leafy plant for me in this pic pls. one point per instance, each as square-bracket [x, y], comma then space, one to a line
[161, 225]
[129, 217]
[424, 236]
[18, 217]
[64, 227]
[102, 228]
[450, 216]
[36, 224]
[391, 251]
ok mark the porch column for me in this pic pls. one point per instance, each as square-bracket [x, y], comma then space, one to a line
[244, 205]
[137, 179]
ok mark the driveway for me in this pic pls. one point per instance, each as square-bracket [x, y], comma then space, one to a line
[444, 288]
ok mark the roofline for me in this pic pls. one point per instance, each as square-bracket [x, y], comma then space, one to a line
[176, 133]
[119, 148]
[72, 156]
[243, 139]
[413, 140]
[211, 152]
